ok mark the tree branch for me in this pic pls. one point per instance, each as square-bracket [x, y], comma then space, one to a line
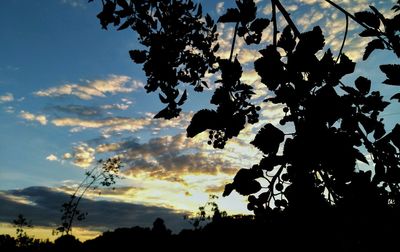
[358, 22]
[286, 15]
[234, 41]
[344, 39]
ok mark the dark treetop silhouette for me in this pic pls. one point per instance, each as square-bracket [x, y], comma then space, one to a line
[335, 124]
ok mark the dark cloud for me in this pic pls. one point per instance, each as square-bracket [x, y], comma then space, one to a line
[78, 110]
[42, 206]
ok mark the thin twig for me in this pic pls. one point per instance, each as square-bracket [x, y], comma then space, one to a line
[344, 39]
[234, 41]
[358, 22]
[286, 15]
[275, 32]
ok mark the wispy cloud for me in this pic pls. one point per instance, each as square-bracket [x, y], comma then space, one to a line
[219, 8]
[52, 157]
[32, 117]
[108, 125]
[97, 88]
[75, 3]
[7, 97]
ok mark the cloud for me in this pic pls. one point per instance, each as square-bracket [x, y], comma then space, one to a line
[7, 97]
[42, 206]
[83, 155]
[109, 125]
[32, 117]
[97, 88]
[52, 157]
[169, 158]
[79, 110]
[75, 3]
[219, 7]
[116, 106]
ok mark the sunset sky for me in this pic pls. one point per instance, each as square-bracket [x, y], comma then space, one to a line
[70, 95]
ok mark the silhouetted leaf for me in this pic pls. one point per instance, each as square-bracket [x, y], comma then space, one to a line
[231, 16]
[392, 73]
[123, 3]
[368, 18]
[183, 99]
[199, 11]
[125, 25]
[359, 156]
[259, 25]
[395, 136]
[369, 33]
[345, 66]
[311, 42]
[396, 96]
[247, 9]
[228, 190]
[287, 40]
[268, 139]
[377, 13]
[363, 85]
[163, 99]
[379, 130]
[201, 121]
[374, 44]
[138, 56]
[245, 183]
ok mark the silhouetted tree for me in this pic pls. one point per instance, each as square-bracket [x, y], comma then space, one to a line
[20, 224]
[334, 124]
[104, 173]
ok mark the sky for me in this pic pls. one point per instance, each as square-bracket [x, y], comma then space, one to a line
[70, 95]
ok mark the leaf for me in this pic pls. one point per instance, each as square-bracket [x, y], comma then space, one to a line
[228, 189]
[374, 44]
[163, 99]
[368, 18]
[312, 41]
[123, 3]
[392, 73]
[268, 139]
[247, 9]
[231, 16]
[138, 56]
[201, 121]
[345, 66]
[359, 156]
[367, 123]
[363, 85]
[396, 96]
[199, 11]
[378, 14]
[369, 33]
[259, 25]
[183, 99]
[379, 130]
[125, 25]
[287, 40]
[395, 136]
[245, 183]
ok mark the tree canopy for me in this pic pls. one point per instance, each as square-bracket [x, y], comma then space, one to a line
[333, 124]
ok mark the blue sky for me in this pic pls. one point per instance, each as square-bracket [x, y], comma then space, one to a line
[69, 95]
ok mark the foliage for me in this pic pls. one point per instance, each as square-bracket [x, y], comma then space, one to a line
[21, 223]
[209, 211]
[335, 124]
[103, 174]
